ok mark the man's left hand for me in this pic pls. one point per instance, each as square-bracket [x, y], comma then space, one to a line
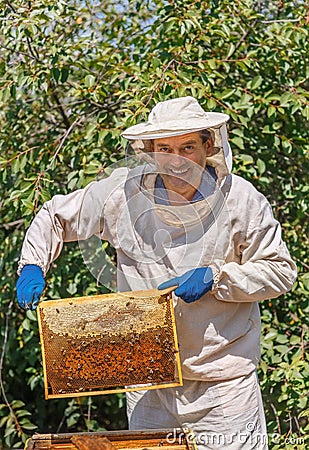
[192, 285]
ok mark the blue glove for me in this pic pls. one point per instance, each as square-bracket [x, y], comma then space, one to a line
[192, 284]
[30, 286]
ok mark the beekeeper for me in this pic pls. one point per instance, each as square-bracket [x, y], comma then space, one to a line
[176, 216]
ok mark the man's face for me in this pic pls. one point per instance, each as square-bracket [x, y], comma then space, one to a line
[181, 161]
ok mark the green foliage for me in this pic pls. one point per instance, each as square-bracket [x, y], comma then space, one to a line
[72, 76]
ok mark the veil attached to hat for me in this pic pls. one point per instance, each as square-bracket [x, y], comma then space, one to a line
[178, 117]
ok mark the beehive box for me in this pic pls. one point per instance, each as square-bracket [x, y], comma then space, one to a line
[109, 343]
[175, 439]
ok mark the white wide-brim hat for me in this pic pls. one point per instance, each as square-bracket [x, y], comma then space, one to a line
[173, 118]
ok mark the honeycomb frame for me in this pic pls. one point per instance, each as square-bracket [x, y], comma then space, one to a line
[109, 343]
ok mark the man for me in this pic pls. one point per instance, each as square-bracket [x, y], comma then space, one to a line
[179, 217]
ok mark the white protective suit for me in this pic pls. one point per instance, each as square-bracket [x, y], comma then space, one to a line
[233, 231]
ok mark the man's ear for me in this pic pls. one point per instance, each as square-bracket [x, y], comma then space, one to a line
[209, 145]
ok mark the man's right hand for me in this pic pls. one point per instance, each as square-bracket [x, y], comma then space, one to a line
[30, 286]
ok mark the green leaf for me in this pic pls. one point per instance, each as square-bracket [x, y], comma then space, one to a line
[56, 74]
[304, 413]
[282, 348]
[17, 404]
[26, 324]
[91, 130]
[256, 82]
[29, 426]
[271, 335]
[261, 166]
[271, 110]
[211, 104]
[212, 64]
[72, 420]
[89, 81]
[246, 159]
[3, 421]
[267, 130]
[22, 413]
[238, 141]
[13, 90]
[231, 50]
[305, 280]
[72, 288]
[227, 93]
[31, 315]
[28, 204]
[305, 112]
[64, 75]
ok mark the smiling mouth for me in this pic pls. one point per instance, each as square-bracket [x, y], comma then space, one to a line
[179, 172]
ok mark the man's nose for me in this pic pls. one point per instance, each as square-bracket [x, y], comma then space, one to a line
[176, 159]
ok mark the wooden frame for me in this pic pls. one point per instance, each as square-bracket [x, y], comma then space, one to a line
[168, 439]
[154, 297]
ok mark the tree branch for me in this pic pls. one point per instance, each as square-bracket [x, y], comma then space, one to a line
[280, 20]
[17, 156]
[11, 6]
[18, 52]
[12, 224]
[242, 39]
[35, 56]
[5, 338]
[276, 417]
[64, 138]
[61, 110]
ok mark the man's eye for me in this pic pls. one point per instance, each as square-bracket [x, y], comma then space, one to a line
[164, 149]
[189, 148]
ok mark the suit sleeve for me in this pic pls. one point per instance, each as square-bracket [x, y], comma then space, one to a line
[265, 270]
[67, 218]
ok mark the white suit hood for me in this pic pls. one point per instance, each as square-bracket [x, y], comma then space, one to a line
[180, 116]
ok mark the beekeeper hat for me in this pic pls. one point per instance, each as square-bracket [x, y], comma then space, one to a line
[173, 118]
